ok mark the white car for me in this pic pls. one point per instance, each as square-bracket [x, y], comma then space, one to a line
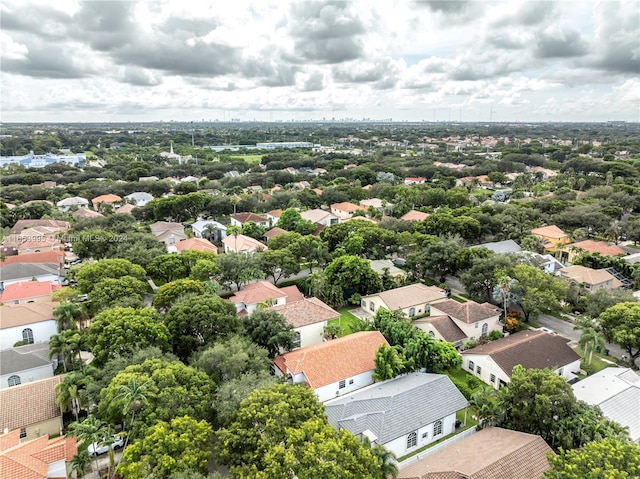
[95, 448]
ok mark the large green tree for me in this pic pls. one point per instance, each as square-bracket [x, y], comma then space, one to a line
[270, 330]
[198, 321]
[232, 357]
[353, 274]
[291, 220]
[171, 390]
[125, 290]
[596, 303]
[230, 394]
[608, 458]
[262, 421]
[168, 294]
[89, 275]
[621, 325]
[539, 292]
[120, 331]
[238, 268]
[168, 447]
[279, 263]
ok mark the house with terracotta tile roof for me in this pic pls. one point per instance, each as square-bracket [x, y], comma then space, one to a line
[40, 458]
[412, 300]
[415, 181]
[473, 319]
[275, 231]
[492, 453]
[552, 237]
[240, 219]
[590, 279]
[242, 244]
[31, 322]
[402, 414]
[85, 213]
[56, 226]
[414, 215]
[335, 367]
[31, 408]
[125, 209]
[263, 292]
[28, 292]
[345, 210]
[36, 239]
[108, 199]
[309, 317]
[273, 216]
[376, 204]
[571, 251]
[192, 244]
[493, 362]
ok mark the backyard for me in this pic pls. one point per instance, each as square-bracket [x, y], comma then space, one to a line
[345, 321]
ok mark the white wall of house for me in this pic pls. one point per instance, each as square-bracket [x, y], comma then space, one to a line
[372, 304]
[568, 370]
[351, 384]
[42, 331]
[474, 330]
[57, 469]
[424, 436]
[488, 367]
[311, 333]
[28, 375]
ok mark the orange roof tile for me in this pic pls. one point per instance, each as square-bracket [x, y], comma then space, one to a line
[307, 311]
[30, 459]
[254, 293]
[13, 315]
[591, 246]
[551, 231]
[275, 231]
[197, 244]
[345, 206]
[326, 363]
[414, 215]
[57, 225]
[109, 198]
[27, 289]
[44, 257]
[29, 403]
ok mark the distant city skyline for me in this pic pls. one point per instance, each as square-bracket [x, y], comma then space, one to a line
[469, 61]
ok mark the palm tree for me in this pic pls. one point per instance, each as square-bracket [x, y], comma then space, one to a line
[67, 315]
[209, 231]
[385, 458]
[89, 431]
[72, 390]
[133, 398]
[66, 344]
[590, 340]
[489, 411]
[79, 465]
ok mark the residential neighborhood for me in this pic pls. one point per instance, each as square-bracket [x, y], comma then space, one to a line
[381, 310]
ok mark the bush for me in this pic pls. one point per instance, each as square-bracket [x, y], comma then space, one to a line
[469, 344]
[512, 325]
[21, 343]
[473, 383]
[355, 299]
[495, 335]
[587, 368]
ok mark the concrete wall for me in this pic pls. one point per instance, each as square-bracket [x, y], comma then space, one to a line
[311, 334]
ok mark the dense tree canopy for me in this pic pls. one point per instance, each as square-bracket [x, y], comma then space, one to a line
[89, 275]
[621, 324]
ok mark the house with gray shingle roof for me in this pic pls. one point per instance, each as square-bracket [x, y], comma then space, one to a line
[20, 365]
[402, 414]
[493, 362]
[616, 391]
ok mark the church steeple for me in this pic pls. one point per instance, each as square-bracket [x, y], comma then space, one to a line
[171, 148]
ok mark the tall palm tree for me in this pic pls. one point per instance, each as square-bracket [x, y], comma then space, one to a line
[590, 340]
[489, 410]
[87, 432]
[79, 464]
[72, 390]
[67, 345]
[133, 397]
[67, 315]
[385, 458]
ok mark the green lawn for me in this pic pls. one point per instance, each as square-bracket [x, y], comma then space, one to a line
[345, 320]
[250, 159]
[458, 299]
[597, 363]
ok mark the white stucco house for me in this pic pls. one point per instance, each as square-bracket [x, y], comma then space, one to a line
[319, 216]
[76, 202]
[22, 365]
[31, 322]
[242, 244]
[412, 300]
[402, 414]
[308, 317]
[493, 362]
[333, 368]
[200, 229]
[240, 219]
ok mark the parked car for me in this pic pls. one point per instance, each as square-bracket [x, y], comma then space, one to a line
[400, 262]
[95, 448]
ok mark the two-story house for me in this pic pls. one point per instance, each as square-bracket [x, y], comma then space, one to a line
[552, 237]
[412, 300]
[240, 219]
[335, 367]
[31, 322]
[253, 295]
[321, 217]
[590, 279]
[237, 243]
[308, 317]
[345, 210]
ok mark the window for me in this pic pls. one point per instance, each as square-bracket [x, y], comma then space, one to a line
[412, 312]
[412, 440]
[471, 366]
[492, 378]
[437, 427]
[427, 309]
[342, 384]
[363, 304]
[350, 381]
[23, 433]
[425, 435]
[16, 301]
[432, 334]
[476, 325]
[296, 339]
[27, 335]
[485, 329]
[14, 380]
[478, 370]
[372, 306]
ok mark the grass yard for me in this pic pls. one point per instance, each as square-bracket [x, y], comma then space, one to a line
[250, 159]
[458, 299]
[345, 320]
[597, 363]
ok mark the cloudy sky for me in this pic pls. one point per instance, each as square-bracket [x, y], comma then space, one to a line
[187, 60]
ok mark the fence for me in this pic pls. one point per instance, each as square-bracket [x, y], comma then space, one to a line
[437, 447]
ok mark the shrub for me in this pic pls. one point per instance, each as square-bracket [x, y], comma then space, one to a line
[472, 382]
[512, 325]
[495, 335]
